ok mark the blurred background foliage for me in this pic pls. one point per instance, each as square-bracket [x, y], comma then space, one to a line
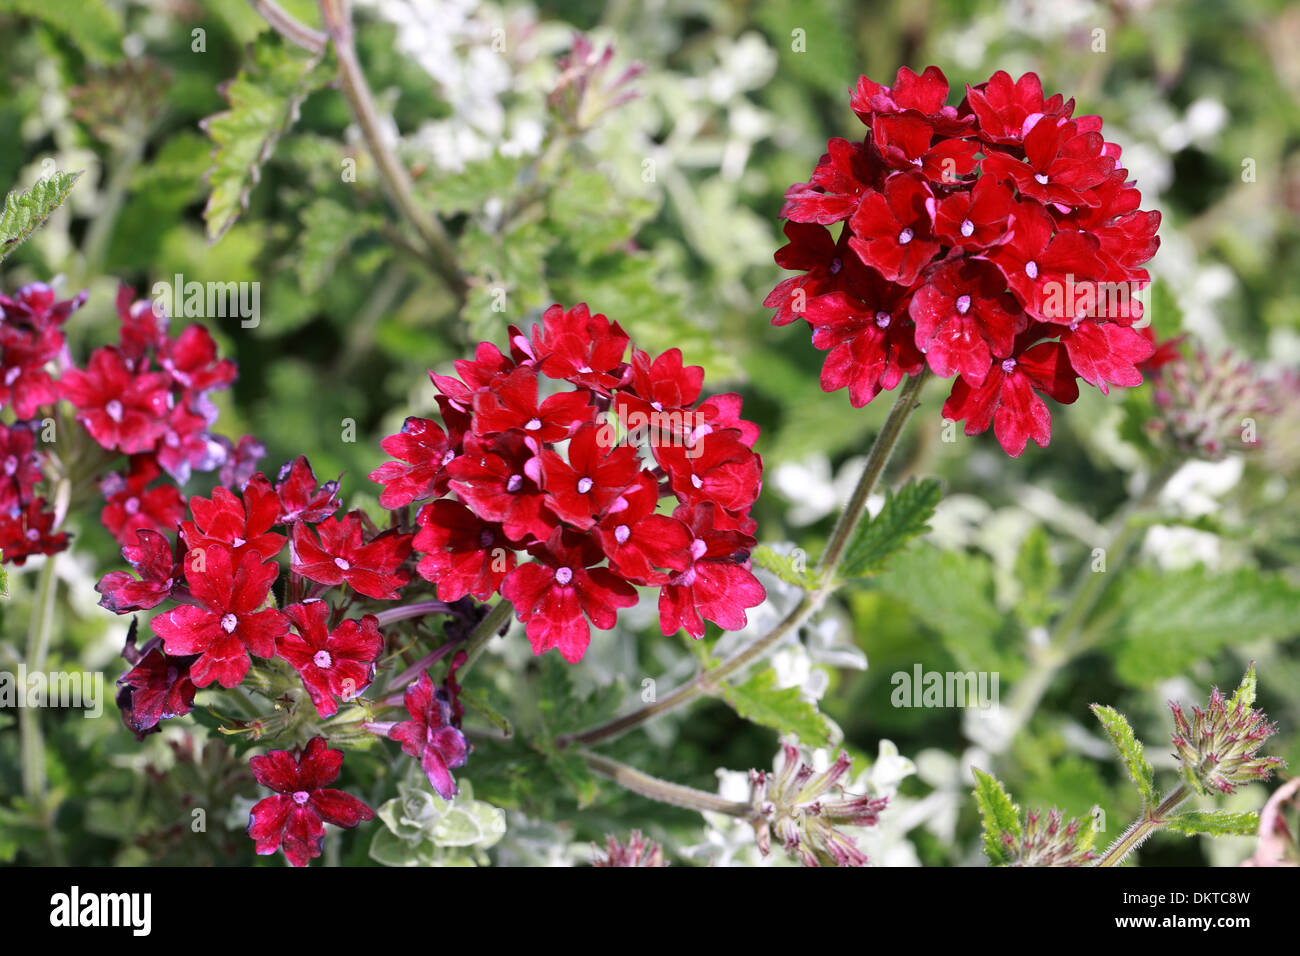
[662, 213]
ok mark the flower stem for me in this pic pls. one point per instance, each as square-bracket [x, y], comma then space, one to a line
[292, 29]
[487, 629]
[442, 254]
[39, 630]
[662, 790]
[1150, 822]
[707, 681]
[408, 611]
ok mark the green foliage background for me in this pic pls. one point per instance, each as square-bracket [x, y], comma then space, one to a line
[738, 99]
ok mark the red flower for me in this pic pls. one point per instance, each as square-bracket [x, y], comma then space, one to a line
[429, 736]
[20, 469]
[294, 819]
[920, 95]
[892, 228]
[36, 306]
[28, 531]
[300, 497]
[718, 467]
[131, 505]
[143, 326]
[342, 554]
[331, 664]
[638, 540]
[191, 360]
[579, 347]
[716, 585]
[241, 523]
[907, 142]
[1007, 399]
[424, 451]
[462, 554]
[841, 179]
[226, 625]
[152, 559]
[1063, 163]
[157, 687]
[186, 445]
[580, 490]
[1103, 352]
[552, 593]
[964, 318]
[870, 342]
[498, 479]
[25, 385]
[513, 404]
[124, 410]
[1007, 111]
[976, 219]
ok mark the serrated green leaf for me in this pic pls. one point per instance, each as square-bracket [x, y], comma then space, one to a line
[951, 592]
[999, 814]
[475, 702]
[905, 515]
[92, 26]
[25, 212]
[1244, 696]
[1038, 576]
[328, 229]
[1121, 735]
[1161, 622]
[784, 709]
[264, 101]
[1214, 823]
[572, 771]
[790, 568]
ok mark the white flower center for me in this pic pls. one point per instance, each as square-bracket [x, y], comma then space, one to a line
[563, 576]
[1031, 269]
[533, 424]
[322, 659]
[882, 319]
[905, 236]
[342, 564]
[963, 304]
[300, 797]
[113, 409]
[622, 533]
[967, 227]
[1009, 365]
[229, 622]
[698, 547]
[584, 485]
[514, 483]
[1041, 178]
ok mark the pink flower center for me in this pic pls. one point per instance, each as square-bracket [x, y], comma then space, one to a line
[533, 424]
[11, 376]
[836, 266]
[448, 456]
[342, 564]
[963, 304]
[300, 797]
[1031, 269]
[514, 483]
[229, 622]
[967, 227]
[1009, 366]
[882, 319]
[584, 485]
[322, 659]
[113, 409]
[563, 576]
[132, 506]
[33, 534]
[698, 547]
[622, 533]
[11, 464]
[905, 236]
[1041, 178]
[695, 480]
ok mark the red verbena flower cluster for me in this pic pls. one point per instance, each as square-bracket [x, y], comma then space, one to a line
[998, 241]
[562, 450]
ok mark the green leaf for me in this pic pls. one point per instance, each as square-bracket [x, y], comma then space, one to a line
[328, 229]
[264, 101]
[1245, 693]
[25, 212]
[1214, 823]
[475, 702]
[791, 568]
[906, 515]
[784, 709]
[1000, 816]
[1161, 622]
[1130, 750]
[1038, 576]
[92, 26]
[951, 592]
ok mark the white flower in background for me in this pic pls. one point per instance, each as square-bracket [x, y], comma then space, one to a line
[1174, 547]
[1195, 488]
[814, 494]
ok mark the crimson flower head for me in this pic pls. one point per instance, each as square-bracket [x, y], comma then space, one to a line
[227, 622]
[157, 687]
[151, 557]
[555, 472]
[997, 242]
[20, 467]
[122, 408]
[342, 554]
[294, 818]
[430, 735]
[301, 498]
[241, 523]
[131, 505]
[336, 663]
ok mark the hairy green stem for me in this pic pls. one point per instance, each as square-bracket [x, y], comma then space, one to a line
[709, 680]
[662, 790]
[442, 254]
[292, 29]
[1149, 823]
[487, 629]
[39, 630]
